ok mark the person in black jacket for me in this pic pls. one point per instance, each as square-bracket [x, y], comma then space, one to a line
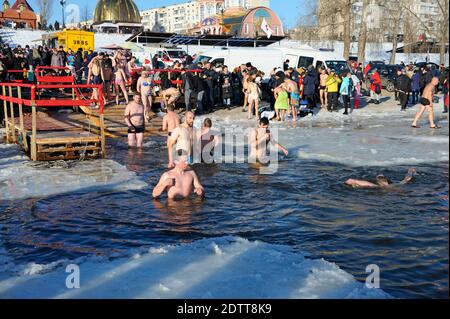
[199, 89]
[188, 88]
[227, 93]
[403, 87]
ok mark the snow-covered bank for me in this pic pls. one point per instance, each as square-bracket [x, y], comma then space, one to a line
[20, 178]
[226, 267]
[24, 37]
[376, 135]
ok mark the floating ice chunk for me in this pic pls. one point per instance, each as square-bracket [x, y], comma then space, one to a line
[20, 178]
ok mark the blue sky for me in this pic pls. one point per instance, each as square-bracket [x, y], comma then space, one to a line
[287, 10]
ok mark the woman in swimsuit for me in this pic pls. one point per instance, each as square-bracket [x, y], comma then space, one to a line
[145, 86]
[253, 97]
[119, 84]
[322, 88]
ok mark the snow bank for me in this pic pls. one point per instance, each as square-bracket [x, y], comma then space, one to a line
[377, 135]
[24, 37]
[225, 267]
[21, 178]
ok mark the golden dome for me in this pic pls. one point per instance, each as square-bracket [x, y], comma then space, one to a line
[116, 11]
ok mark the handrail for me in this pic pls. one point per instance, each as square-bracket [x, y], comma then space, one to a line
[32, 101]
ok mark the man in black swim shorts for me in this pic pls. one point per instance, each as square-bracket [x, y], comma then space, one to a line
[134, 118]
[426, 102]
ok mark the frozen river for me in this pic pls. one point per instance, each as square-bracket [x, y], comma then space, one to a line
[300, 233]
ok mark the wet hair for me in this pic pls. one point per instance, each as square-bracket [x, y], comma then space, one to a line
[264, 121]
[207, 122]
[170, 107]
[382, 179]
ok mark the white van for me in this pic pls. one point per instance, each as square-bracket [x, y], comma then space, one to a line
[264, 59]
[166, 56]
[318, 58]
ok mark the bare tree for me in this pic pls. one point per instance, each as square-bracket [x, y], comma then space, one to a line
[346, 13]
[45, 11]
[363, 33]
[441, 32]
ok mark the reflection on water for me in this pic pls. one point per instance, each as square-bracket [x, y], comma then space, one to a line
[403, 230]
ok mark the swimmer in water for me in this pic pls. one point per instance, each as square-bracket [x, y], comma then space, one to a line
[381, 181]
[179, 182]
[260, 138]
[183, 138]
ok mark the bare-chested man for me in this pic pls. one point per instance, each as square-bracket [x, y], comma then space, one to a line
[260, 139]
[180, 182]
[170, 121]
[292, 88]
[183, 137]
[134, 118]
[380, 181]
[170, 96]
[208, 140]
[323, 88]
[144, 86]
[427, 104]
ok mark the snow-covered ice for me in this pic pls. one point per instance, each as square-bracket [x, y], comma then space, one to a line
[225, 267]
[20, 178]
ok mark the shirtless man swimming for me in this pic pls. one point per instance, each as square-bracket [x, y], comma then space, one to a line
[427, 104]
[180, 182]
[183, 137]
[134, 118]
[144, 86]
[170, 121]
[261, 136]
[380, 181]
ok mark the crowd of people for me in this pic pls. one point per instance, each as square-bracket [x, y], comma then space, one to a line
[203, 87]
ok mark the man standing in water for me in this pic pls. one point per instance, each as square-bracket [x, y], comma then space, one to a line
[170, 121]
[260, 139]
[427, 104]
[183, 137]
[180, 182]
[134, 118]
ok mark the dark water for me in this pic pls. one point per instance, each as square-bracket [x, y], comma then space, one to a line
[404, 231]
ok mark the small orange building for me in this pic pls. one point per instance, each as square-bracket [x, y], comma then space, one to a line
[20, 14]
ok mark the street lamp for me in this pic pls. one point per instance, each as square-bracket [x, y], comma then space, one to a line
[63, 2]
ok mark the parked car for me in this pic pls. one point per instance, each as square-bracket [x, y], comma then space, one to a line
[388, 74]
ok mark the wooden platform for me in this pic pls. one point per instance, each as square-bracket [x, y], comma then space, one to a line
[113, 119]
[55, 139]
[66, 145]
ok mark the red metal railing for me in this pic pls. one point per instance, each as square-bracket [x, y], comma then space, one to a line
[53, 102]
[41, 78]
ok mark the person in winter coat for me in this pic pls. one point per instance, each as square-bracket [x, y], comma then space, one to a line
[310, 83]
[402, 86]
[415, 87]
[375, 87]
[346, 90]
[332, 85]
[227, 93]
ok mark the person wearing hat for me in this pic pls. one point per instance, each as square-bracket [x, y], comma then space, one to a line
[332, 85]
[403, 87]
